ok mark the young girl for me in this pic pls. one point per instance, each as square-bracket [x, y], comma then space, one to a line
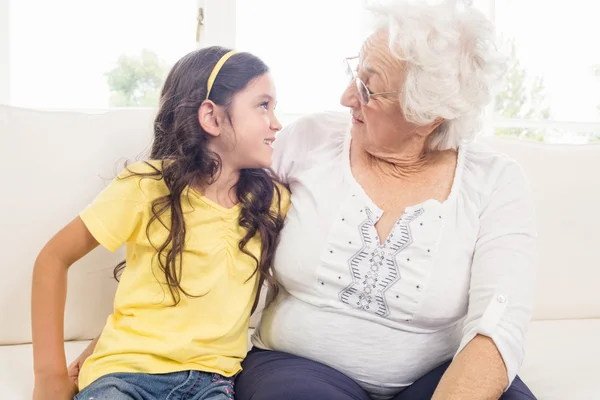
[200, 219]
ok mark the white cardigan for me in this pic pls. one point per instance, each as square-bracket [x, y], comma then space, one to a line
[386, 315]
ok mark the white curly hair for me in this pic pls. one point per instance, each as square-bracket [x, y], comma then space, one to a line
[452, 64]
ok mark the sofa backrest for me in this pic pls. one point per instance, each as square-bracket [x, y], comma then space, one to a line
[566, 186]
[55, 163]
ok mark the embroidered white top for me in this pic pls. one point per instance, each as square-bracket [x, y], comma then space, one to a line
[386, 314]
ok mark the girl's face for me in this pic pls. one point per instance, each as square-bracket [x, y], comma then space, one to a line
[246, 141]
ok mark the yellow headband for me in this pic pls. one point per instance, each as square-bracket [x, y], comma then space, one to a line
[215, 71]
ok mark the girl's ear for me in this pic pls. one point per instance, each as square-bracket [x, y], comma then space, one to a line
[209, 119]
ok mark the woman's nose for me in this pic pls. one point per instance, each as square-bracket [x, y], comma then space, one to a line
[350, 96]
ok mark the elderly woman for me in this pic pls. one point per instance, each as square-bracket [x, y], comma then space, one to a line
[407, 262]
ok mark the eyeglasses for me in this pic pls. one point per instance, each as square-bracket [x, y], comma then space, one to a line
[364, 94]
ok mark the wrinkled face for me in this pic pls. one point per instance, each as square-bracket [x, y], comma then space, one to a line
[246, 140]
[378, 126]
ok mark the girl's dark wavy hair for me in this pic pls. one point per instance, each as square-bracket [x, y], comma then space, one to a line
[181, 146]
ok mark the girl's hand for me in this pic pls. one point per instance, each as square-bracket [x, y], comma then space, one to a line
[76, 365]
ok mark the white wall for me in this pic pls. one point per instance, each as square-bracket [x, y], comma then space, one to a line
[4, 52]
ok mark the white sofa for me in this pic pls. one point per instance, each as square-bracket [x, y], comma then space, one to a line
[54, 163]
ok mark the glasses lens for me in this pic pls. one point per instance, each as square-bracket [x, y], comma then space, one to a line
[363, 92]
[348, 69]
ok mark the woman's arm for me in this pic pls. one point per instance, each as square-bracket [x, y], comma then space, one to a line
[47, 307]
[501, 294]
[477, 373]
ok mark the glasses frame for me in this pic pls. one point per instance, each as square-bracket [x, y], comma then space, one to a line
[364, 92]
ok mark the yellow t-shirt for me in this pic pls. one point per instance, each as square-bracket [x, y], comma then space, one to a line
[146, 333]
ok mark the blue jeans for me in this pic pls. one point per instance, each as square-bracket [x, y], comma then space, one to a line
[186, 385]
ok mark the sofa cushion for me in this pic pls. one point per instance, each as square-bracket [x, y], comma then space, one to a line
[562, 359]
[562, 362]
[16, 368]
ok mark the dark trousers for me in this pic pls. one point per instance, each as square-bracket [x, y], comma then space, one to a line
[272, 375]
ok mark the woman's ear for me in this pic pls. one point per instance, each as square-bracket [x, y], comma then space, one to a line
[426, 130]
[438, 121]
[209, 119]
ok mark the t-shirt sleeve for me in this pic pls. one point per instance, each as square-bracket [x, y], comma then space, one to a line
[285, 200]
[502, 284]
[117, 212]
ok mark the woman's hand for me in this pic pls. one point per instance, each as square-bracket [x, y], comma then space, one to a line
[54, 388]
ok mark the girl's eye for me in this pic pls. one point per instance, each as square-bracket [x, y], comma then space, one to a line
[265, 105]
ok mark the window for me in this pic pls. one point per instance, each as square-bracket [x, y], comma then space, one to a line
[551, 89]
[115, 53]
[82, 54]
[303, 43]
[552, 86]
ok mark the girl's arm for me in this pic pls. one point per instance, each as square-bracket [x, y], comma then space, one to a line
[47, 308]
